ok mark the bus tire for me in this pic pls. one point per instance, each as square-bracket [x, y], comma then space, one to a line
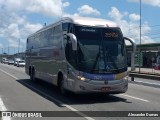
[61, 86]
[32, 76]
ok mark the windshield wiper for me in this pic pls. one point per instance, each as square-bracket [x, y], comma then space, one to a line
[95, 62]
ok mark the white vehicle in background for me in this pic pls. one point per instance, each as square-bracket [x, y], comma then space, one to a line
[10, 62]
[3, 60]
[21, 63]
[16, 61]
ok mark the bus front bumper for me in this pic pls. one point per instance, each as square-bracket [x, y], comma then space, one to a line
[92, 86]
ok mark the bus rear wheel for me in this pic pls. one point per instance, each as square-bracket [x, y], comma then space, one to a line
[32, 76]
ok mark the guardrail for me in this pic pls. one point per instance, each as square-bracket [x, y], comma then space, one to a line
[144, 75]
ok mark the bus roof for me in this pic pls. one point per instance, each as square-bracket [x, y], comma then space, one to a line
[82, 21]
[90, 21]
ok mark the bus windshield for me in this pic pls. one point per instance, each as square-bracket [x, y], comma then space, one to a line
[100, 50]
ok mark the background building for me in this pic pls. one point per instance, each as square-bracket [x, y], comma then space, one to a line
[149, 54]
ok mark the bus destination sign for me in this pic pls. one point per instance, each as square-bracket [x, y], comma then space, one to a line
[111, 34]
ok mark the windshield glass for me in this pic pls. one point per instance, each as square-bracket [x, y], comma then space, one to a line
[100, 49]
[21, 61]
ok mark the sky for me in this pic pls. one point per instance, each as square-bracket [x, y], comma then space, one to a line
[20, 18]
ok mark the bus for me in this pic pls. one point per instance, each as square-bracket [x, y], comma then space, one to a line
[81, 55]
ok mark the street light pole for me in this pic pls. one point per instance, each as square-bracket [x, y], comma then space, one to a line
[2, 50]
[140, 33]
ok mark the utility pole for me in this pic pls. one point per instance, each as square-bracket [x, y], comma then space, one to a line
[8, 50]
[19, 45]
[4, 50]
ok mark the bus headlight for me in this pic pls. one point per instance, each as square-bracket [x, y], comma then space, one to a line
[125, 78]
[81, 78]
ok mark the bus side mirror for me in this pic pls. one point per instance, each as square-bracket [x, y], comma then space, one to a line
[73, 39]
[133, 52]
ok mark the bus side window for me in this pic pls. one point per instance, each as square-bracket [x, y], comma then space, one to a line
[67, 27]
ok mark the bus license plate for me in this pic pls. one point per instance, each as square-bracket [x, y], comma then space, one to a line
[105, 89]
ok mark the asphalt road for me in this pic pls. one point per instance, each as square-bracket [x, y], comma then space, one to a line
[18, 93]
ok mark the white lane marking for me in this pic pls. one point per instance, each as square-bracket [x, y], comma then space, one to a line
[14, 67]
[58, 101]
[9, 74]
[80, 113]
[147, 82]
[135, 98]
[3, 108]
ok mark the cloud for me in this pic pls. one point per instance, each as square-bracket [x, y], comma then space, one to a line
[84, 10]
[30, 28]
[66, 4]
[14, 18]
[46, 7]
[130, 28]
[1, 45]
[51, 8]
[134, 17]
[13, 43]
[88, 10]
[115, 14]
[71, 15]
[148, 2]
[14, 27]
[13, 30]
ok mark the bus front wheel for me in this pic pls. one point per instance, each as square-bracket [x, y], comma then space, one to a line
[61, 86]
